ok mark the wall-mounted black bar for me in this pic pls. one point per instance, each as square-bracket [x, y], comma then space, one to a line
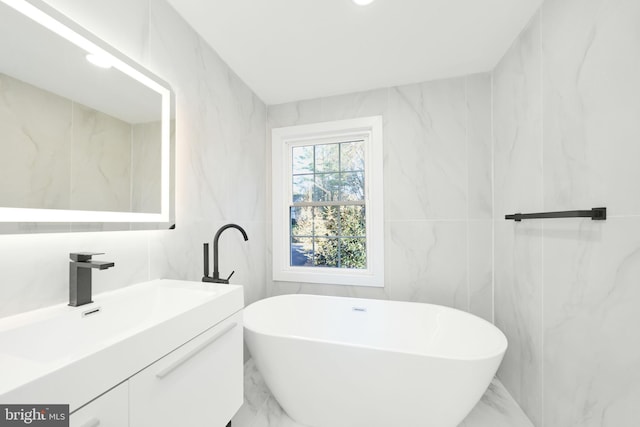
[595, 214]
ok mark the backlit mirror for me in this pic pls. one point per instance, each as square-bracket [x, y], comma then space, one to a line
[85, 133]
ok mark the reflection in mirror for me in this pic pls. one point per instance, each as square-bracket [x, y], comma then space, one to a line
[84, 132]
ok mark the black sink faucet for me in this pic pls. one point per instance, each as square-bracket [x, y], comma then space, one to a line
[216, 274]
[80, 276]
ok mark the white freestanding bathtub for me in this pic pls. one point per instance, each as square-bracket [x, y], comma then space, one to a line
[345, 362]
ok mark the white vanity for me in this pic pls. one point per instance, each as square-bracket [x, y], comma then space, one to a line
[160, 353]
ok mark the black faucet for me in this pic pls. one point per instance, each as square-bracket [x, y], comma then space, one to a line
[216, 274]
[80, 276]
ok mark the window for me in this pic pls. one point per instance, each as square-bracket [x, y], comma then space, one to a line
[327, 203]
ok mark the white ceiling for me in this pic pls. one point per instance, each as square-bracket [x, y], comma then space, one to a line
[288, 50]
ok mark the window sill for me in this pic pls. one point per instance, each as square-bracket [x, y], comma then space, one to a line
[330, 276]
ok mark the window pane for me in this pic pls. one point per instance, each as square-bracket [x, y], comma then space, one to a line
[301, 251]
[326, 221]
[302, 159]
[352, 187]
[353, 253]
[302, 188]
[327, 187]
[301, 221]
[352, 221]
[327, 158]
[352, 156]
[326, 252]
[328, 236]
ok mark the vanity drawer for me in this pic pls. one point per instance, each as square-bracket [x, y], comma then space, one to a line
[109, 410]
[198, 384]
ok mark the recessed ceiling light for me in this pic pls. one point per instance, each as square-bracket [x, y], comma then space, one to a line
[362, 2]
[99, 60]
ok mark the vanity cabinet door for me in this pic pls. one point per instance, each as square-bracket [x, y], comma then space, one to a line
[198, 384]
[109, 410]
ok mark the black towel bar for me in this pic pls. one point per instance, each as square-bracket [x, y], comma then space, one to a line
[598, 214]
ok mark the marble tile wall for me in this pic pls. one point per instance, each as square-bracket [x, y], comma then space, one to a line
[437, 187]
[145, 175]
[517, 115]
[220, 152]
[100, 161]
[35, 168]
[566, 107]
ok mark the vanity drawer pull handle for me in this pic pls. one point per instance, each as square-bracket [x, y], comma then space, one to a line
[93, 422]
[166, 371]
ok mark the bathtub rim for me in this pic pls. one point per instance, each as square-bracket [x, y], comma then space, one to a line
[490, 355]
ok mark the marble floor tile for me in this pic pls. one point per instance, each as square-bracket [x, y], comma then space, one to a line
[496, 409]
[260, 409]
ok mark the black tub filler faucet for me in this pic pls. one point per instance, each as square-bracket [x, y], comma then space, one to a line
[216, 273]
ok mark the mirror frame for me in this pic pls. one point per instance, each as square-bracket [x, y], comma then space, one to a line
[20, 220]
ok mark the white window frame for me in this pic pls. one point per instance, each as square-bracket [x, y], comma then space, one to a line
[282, 140]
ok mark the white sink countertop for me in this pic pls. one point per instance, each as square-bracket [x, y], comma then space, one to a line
[91, 351]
